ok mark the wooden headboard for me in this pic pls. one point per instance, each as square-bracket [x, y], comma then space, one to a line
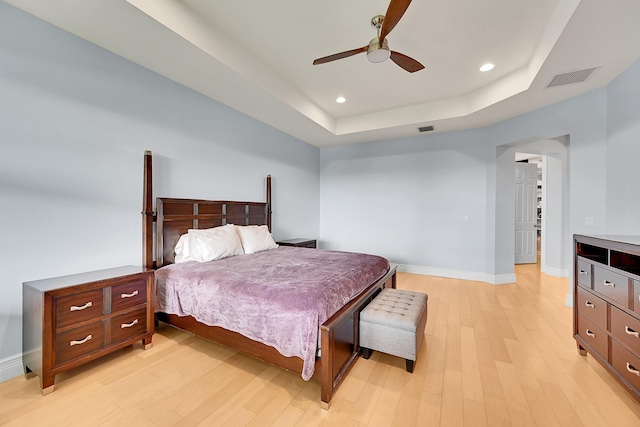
[173, 217]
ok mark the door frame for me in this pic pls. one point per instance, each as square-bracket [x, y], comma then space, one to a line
[559, 245]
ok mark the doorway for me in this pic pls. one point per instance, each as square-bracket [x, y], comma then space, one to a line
[554, 231]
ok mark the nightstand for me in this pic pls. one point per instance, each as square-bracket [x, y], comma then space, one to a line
[299, 243]
[70, 320]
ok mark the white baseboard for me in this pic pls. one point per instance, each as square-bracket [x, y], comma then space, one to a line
[11, 367]
[458, 274]
[555, 272]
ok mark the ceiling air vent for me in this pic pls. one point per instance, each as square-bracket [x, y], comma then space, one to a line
[571, 77]
[426, 128]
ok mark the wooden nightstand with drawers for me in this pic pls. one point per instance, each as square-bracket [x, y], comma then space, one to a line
[299, 243]
[71, 320]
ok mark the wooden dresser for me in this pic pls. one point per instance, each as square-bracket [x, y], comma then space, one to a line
[70, 320]
[607, 304]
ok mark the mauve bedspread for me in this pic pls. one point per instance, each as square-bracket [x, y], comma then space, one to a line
[278, 297]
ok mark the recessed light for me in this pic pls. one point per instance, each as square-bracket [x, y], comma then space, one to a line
[340, 99]
[486, 67]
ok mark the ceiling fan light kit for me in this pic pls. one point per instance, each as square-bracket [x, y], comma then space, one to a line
[378, 48]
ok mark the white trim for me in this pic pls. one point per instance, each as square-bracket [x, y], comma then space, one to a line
[555, 272]
[11, 367]
[568, 300]
[458, 274]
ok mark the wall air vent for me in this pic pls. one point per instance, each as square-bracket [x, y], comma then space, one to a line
[572, 77]
[426, 128]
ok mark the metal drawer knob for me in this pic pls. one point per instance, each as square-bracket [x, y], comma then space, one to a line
[608, 283]
[589, 333]
[82, 307]
[583, 273]
[128, 325]
[590, 304]
[82, 341]
[632, 369]
[630, 331]
[132, 294]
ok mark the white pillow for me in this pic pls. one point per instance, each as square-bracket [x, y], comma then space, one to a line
[182, 250]
[255, 238]
[209, 244]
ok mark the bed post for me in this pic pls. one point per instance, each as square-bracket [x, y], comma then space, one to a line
[147, 212]
[268, 207]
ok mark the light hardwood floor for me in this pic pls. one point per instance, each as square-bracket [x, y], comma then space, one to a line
[492, 355]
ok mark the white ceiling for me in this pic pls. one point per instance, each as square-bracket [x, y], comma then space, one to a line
[256, 56]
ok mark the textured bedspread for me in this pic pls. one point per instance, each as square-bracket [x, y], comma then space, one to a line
[278, 297]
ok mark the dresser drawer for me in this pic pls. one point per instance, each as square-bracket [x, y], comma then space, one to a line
[584, 273]
[626, 363]
[612, 285]
[625, 329]
[76, 308]
[79, 341]
[593, 335]
[128, 295]
[128, 325]
[592, 307]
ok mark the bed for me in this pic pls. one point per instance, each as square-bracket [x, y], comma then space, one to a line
[336, 339]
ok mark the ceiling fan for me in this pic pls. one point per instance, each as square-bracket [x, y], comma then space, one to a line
[378, 48]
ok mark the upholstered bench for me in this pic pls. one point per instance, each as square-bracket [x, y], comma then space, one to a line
[393, 323]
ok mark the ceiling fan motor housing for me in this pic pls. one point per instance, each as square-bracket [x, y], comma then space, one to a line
[378, 52]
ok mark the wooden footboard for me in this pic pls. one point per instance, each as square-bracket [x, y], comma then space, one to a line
[339, 340]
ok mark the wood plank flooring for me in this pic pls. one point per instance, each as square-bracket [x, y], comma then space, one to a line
[492, 356]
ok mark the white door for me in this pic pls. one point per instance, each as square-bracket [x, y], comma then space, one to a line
[526, 213]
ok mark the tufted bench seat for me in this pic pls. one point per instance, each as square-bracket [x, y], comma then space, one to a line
[394, 323]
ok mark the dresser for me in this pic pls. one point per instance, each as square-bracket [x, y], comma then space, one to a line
[70, 320]
[607, 304]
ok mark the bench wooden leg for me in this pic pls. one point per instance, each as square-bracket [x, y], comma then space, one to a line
[366, 352]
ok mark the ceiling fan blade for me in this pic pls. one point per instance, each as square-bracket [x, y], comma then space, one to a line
[408, 64]
[340, 55]
[396, 9]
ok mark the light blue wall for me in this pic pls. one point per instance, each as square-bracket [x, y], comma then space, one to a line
[74, 123]
[623, 153]
[405, 199]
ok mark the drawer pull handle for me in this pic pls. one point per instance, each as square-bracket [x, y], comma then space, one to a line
[630, 331]
[583, 273]
[132, 294]
[590, 304]
[82, 341]
[128, 325]
[632, 369]
[608, 283]
[82, 307]
[591, 334]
